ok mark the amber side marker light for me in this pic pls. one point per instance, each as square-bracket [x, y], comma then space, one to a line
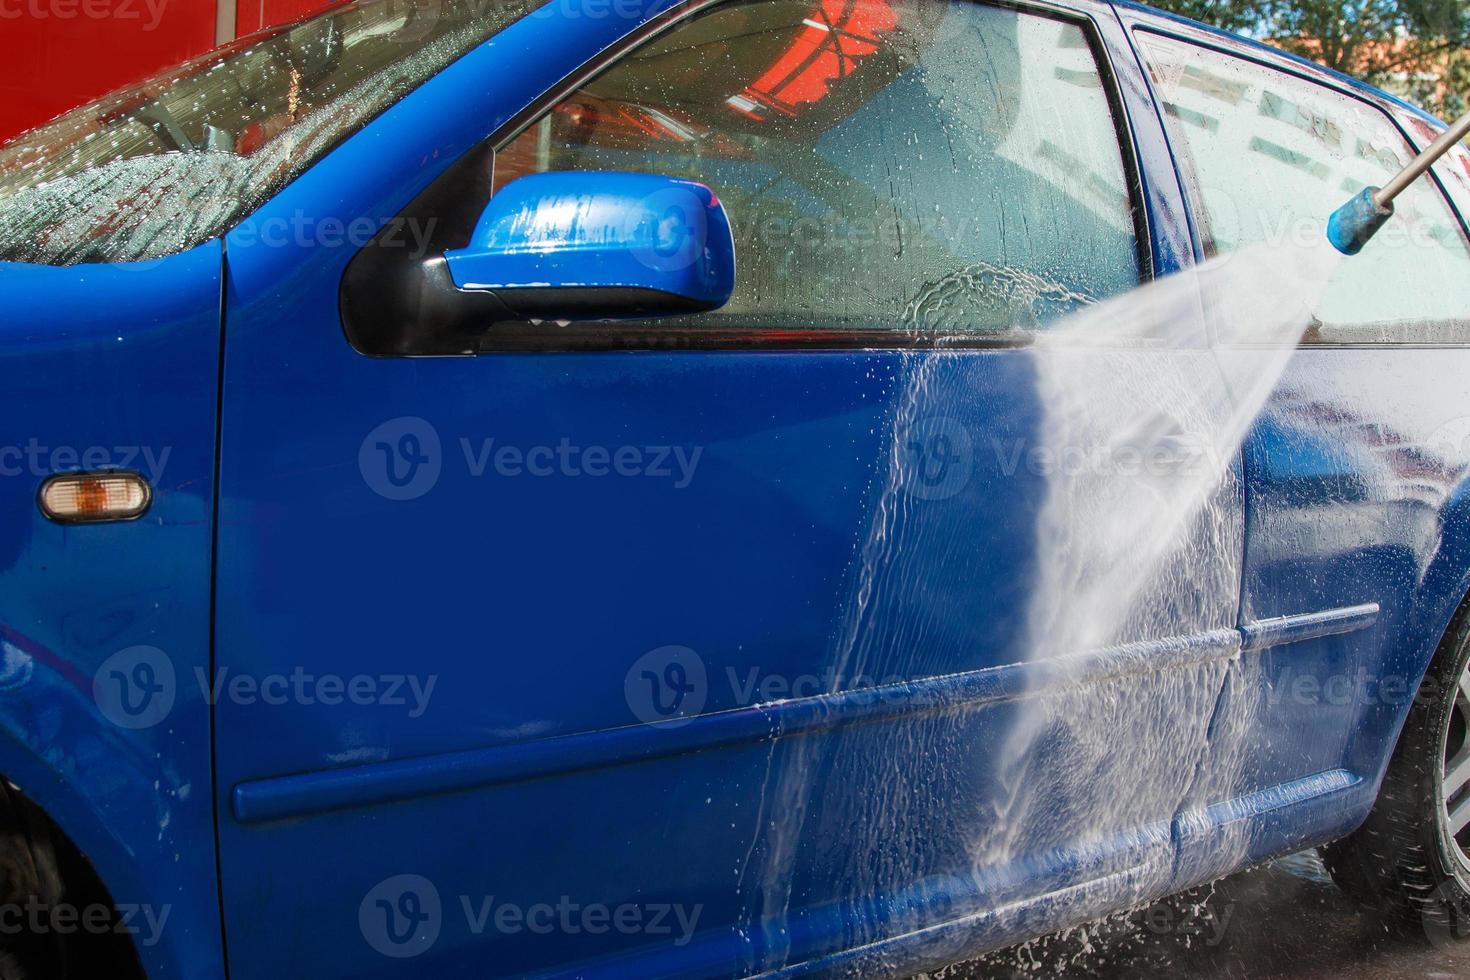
[91, 498]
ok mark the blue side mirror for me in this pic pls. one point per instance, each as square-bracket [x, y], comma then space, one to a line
[599, 246]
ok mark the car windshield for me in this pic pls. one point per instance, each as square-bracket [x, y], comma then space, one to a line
[163, 166]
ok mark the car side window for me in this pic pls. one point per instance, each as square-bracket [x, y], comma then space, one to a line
[1269, 156]
[894, 165]
[1453, 169]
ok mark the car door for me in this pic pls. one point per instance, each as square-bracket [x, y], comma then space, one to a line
[1354, 466]
[726, 643]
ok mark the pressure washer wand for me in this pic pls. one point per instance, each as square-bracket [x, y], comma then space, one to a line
[1359, 219]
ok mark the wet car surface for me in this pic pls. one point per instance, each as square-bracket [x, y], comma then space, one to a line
[1286, 919]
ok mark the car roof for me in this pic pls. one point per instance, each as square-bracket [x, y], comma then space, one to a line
[1256, 48]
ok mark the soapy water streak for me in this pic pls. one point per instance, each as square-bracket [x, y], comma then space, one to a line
[1130, 375]
[1118, 560]
[1029, 298]
[1155, 554]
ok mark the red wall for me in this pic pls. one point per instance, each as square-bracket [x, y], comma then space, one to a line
[58, 54]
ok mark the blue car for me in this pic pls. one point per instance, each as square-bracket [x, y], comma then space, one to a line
[572, 489]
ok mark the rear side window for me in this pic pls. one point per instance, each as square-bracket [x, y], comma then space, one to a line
[1453, 169]
[891, 165]
[1270, 156]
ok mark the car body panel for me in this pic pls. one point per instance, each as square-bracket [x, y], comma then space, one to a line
[121, 373]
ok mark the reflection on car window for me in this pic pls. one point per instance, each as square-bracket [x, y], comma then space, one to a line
[1453, 169]
[1271, 156]
[886, 164]
[175, 161]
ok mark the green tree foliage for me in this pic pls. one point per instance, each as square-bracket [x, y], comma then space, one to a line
[1418, 48]
[1232, 15]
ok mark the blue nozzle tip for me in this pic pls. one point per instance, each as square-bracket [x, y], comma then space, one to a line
[1353, 224]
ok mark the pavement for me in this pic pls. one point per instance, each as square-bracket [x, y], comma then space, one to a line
[1283, 920]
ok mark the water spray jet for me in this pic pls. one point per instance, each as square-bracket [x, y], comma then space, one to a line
[1352, 225]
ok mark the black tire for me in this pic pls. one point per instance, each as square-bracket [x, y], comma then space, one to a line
[41, 869]
[13, 969]
[1403, 861]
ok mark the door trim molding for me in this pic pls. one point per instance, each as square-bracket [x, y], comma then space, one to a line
[285, 797]
[1281, 630]
[302, 794]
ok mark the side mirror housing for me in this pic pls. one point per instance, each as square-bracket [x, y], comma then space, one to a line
[600, 246]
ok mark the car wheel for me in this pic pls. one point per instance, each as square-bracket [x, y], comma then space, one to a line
[29, 876]
[1411, 859]
[42, 873]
